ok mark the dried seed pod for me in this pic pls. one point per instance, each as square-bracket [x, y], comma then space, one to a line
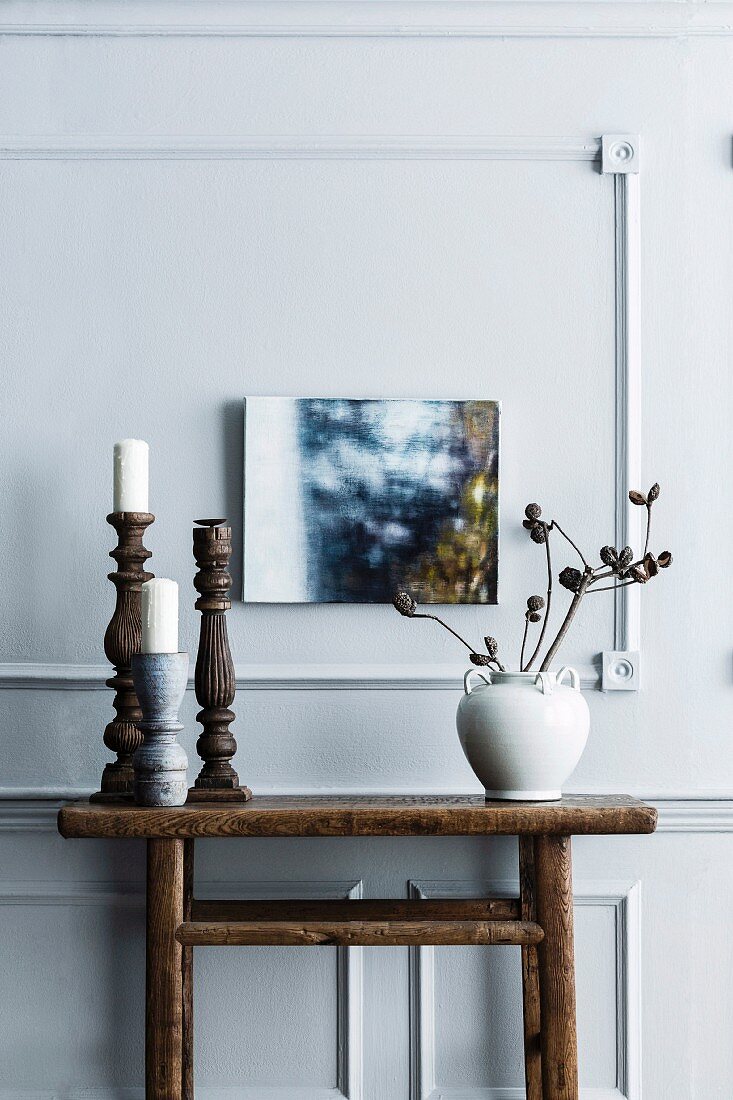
[665, 559]
[636, 497]
[653, 493]
[538, 533]
[639, 574]
[626, 557]
[405, 604]
[609, 556]
[480, 659]
[492, 646]
[534, 617]
[533, 511]
[535, 603]
[651, 565]
[570, 578]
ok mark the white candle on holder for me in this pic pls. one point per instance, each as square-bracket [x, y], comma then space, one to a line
[130, 476]
[159, 610]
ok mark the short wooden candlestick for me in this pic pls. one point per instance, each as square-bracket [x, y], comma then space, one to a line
[121, 640]
[215, 686]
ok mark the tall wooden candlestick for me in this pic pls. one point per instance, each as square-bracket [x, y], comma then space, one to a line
[215, 687]
[121, 640]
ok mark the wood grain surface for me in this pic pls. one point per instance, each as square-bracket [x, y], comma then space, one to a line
[164, 985]
[214, 677]
[121, 641]
[337, 909]
[530, 974]
[187, 973]
[357, 933]
[367, 816]
[554, 901]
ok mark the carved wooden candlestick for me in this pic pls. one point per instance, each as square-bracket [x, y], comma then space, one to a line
[215, 687]
[121, 640]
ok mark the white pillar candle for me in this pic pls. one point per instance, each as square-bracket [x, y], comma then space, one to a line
[159, 609]
[130, 476]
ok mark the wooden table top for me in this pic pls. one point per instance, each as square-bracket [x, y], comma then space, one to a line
[414, 815]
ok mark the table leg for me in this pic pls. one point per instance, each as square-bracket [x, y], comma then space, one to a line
[187, 974]
[554, 885]
[530, 974]
[164, 985]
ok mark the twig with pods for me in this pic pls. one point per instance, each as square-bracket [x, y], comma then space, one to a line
[619, 566]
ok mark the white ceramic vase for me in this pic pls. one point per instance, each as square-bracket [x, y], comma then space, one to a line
[523, 733]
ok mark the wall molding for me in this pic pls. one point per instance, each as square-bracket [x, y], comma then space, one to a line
[695, 815]
[621, 670]
[307, 147]
[349, 975]
[620, 158]
[656, 19]
[261, 677]
[624, 899]
[510, 1093]
[243, 1092]
[79, 892]
[627, 631]
[34, 809]
[44, 892]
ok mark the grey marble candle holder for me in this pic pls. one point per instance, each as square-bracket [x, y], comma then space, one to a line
[160, 764]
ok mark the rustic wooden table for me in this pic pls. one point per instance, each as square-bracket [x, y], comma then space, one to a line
[540, 920]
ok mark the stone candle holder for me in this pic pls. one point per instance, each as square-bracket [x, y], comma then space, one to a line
[160, 763]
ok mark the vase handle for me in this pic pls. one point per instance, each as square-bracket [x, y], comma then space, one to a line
[467, 677]
[566, 670]
[545, 682]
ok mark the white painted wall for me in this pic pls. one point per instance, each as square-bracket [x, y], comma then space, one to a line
[205, 200]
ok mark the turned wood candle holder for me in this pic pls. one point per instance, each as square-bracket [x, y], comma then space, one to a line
[214, 679]
[121, 641]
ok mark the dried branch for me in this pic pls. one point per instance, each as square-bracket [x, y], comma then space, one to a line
[618, 565]
[492, 648]
[648, 528]
[614, 573]
[531, 615]
[557, 527]
[610, 587]
[407, 606]
[483, 661]
[548, 601]
[450, 629]
[572, 610]
[524, 642]
[646, 501]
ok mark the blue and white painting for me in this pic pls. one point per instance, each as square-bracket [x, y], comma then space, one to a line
[350, 500]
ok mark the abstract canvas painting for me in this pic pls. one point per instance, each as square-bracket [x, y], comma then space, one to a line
[350, 500]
